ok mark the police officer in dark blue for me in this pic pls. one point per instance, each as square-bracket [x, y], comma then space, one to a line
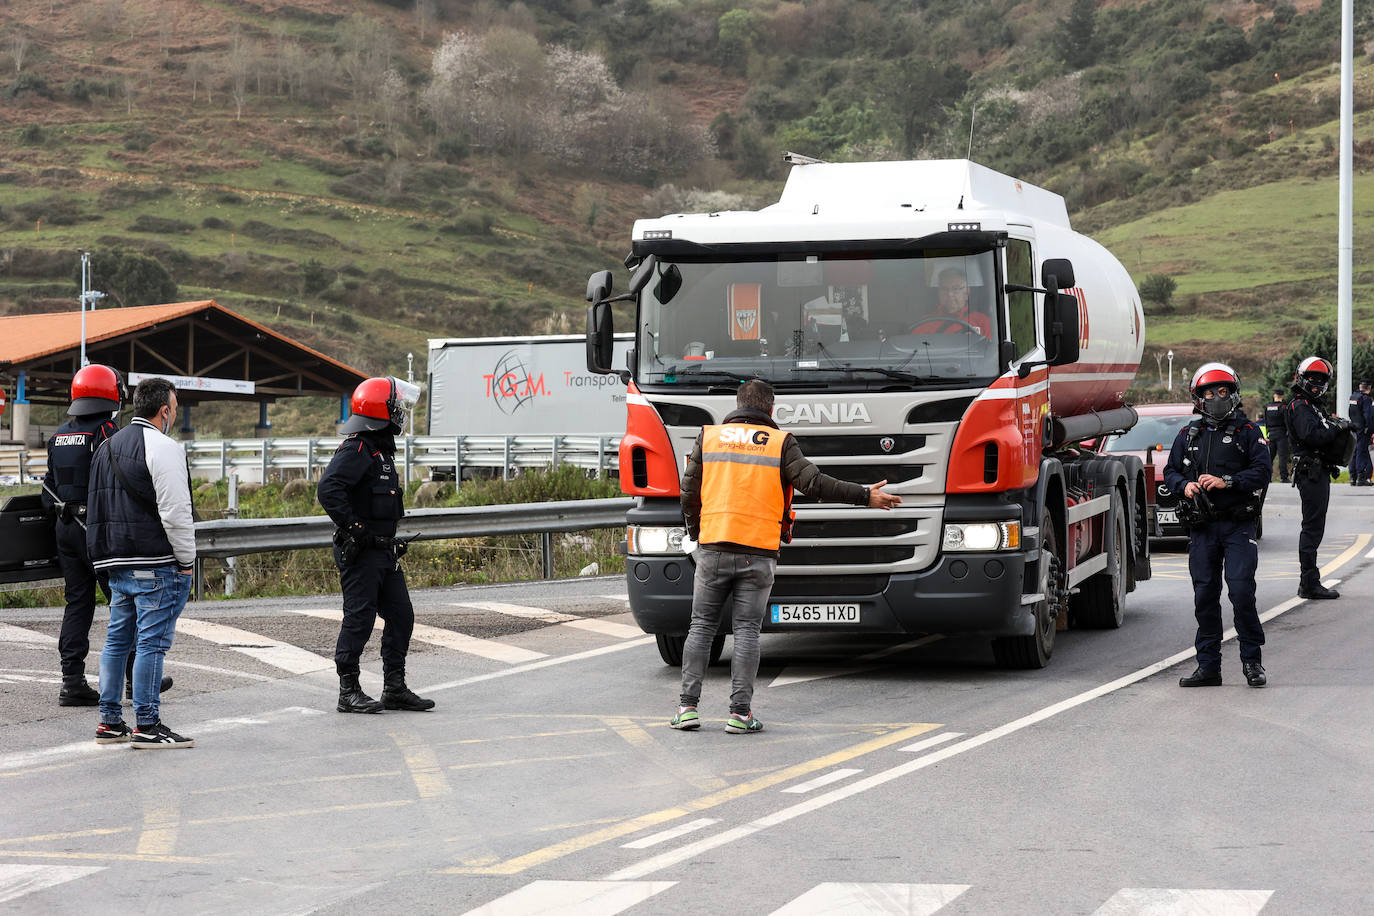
[97, 393]
[362, 493]
[1359, 412]
[1276, 431]
[1220, 466]
[1313, 432]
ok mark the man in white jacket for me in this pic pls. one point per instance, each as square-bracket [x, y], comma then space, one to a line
[140, 530]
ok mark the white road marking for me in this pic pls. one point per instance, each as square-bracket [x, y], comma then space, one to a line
[11, 633]
[672, 833]
[925, 743]
[518, 610]
[622, 596]
[542, 663]
[18, 880]
[572, 898]
[691, 850]
[1159, 901]
[448, 639]
[605, 627]
[843, 899]
[824, 779]
[800, 674]
[265, 649]
[8, 677]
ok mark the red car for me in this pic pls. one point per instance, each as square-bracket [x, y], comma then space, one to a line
[1150, 440]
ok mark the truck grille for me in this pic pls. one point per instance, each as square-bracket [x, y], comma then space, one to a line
[833, 556]
[785, 586]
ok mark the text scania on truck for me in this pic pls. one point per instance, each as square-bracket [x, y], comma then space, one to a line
[934, 324]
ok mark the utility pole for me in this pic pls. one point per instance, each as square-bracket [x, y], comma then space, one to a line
[1344, 348]
[89, 297]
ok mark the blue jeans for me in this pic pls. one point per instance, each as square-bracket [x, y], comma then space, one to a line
[737, 585]
[144, 607]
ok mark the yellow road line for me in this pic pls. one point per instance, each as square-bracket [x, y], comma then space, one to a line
[1361, 542]
[71, 835]
[300, 812]
[104, 856]
[159, 835]
[638, 738]
[652, 819]
[518, 760]
[423, 763]
[310, 780]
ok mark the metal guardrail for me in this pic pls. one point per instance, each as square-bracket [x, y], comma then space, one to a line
[21, 464]
[214, 458]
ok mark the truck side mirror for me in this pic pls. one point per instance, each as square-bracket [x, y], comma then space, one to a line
[600, 337]
[1061, 329]
[1057, 274]
[599, 286]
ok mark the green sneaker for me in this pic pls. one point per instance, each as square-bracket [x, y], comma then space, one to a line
[686, 718]
[742, 725]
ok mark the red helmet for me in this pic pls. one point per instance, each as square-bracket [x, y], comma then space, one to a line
[381, 403]
[1313, 376]
[96, 389]
[1210, 376]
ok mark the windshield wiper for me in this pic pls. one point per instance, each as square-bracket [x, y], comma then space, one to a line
[697, 375]
[890, 373]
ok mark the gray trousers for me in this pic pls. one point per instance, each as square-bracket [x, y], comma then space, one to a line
[737, 584]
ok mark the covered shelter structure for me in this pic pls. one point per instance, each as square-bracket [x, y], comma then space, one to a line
[209, 352]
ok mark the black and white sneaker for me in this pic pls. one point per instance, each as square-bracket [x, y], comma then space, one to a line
[112, 733]
[158, 735]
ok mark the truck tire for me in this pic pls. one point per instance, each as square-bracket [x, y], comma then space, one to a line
[670, 648]
[1034, 651]
[1101, 600]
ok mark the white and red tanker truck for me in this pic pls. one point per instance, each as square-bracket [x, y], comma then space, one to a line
[971, 413]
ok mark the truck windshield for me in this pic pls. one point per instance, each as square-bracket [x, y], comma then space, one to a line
[926, 317]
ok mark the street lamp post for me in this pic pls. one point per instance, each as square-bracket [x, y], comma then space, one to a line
[1170, 355]
[89, 298]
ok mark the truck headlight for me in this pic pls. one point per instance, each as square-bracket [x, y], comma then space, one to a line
[981, 536]
[650, 541]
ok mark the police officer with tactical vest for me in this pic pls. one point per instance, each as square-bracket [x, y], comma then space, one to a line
[1316, 435]
[97, 393]
[362, 493]
[1220, 465]
[736, 501]
[1359, 413]
[1276, 431]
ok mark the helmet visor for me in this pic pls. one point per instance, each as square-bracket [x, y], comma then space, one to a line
[404, 398]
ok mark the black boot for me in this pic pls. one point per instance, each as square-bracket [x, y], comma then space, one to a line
[76, 692]
[1317, 590]
[163, 687]
[396, 695]
[1201, 678]
[352, 698]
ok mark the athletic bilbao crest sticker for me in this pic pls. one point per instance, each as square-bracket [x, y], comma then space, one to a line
[744, 311]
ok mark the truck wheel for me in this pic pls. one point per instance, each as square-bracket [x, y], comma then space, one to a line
[670, 648]
[1101, 600]
[1034, 651]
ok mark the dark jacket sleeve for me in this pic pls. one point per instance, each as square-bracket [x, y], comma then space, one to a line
[1368, 415]
[1305, 426]
[1176, 477]
[801, 474]
[346, 468]
[1256, 474]
[691, 492]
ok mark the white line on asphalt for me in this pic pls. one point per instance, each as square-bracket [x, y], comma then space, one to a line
[605, 627]
[265, 649]
[10, 633]
[1139, 901]
[691, 850]
[824, 779]
[572, 898]
[543, 663]
[672, 833]
[622, 596]
[448, 639]
[930, 742]
[517, 610]
[18, 880]
[801, 674]
[873, 899]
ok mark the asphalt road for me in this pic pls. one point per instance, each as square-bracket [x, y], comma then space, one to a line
[891, 777]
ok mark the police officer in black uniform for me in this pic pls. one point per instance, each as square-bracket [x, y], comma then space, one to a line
[1276, 431]
[1219, 465]
[97, 392]
[362, 493]
[1313, 432]
[1358, 412]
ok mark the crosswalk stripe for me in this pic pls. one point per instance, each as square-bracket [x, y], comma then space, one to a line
[448, 639]
[605, 627]
[672, 833]
[18, 880]
[845, 899]
[1146, 901]
[518, 610]
[918, 746]
[824, 779]
[10, 633]
[264, 649]
[572, 898]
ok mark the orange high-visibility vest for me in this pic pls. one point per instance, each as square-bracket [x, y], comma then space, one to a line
[743, 500]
